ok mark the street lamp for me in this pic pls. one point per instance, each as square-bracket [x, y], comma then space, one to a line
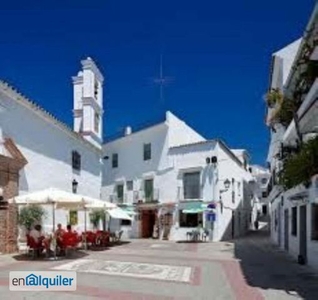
[227, 184]
[74, 186]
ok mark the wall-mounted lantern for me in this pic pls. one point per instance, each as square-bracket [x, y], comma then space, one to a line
[227, 184]
[74, 186]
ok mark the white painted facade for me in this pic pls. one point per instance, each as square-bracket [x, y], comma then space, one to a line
[47, 145]
[292, 216]
[177, 149]
[262, 177]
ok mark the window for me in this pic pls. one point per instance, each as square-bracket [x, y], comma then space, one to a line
[314, 222]
[294, 221]
[264, 194]
[149, 190]
[96, 89]
[115, 160]
[96, 122]
[147, 151]
[130, 185]
[76, 160]
[125, 223]
[73, 217]
[191, 185]
[190, 220]
[120, 193]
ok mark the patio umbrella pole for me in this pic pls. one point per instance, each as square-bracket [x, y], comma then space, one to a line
[85, 228]
[53, 218]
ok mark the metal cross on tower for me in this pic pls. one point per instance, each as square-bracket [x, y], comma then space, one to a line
[161, 81]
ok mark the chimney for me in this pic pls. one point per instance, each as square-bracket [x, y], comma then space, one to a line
[127, 130]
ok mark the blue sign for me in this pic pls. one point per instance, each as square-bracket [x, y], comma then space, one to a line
[211, 216]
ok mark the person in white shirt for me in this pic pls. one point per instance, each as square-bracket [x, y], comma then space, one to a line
[36, 234]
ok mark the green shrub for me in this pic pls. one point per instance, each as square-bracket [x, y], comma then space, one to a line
[30, 215]
[300, 167]
[96, 216]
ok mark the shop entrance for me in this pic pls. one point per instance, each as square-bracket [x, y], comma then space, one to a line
[148, 221]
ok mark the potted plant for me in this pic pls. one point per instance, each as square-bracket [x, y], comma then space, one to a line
[96, 216]
[299, 167]
[30, 215]
[273, 97]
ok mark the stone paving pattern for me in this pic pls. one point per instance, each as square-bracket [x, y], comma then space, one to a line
[245, 269]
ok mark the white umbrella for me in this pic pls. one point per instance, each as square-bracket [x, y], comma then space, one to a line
[57, 198]
[96, 203]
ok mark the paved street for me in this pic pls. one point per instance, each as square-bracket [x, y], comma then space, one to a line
[248, 268]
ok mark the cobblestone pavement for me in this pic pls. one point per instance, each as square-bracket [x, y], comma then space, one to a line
[245, 269]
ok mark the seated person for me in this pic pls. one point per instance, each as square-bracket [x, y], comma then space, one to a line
[38, 237]
[36, 234]
[70, 237]
[59, 232]
[69, 228]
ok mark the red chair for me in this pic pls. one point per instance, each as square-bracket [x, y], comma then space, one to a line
[90, 237]
[104, 238]
[70, 241]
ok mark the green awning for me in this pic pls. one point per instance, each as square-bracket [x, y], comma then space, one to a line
[196, 208]
[129, 210]
[193, 208]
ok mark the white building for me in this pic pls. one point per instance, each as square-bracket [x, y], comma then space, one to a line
[161, 171]
[164, 175]
[294, 204]
[262, 177]
[56, 155]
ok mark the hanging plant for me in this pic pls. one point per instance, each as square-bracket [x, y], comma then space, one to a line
[96, 216]
[310, 74]
[300, 167]
[31, 215]
[274, 97]
[285, 113]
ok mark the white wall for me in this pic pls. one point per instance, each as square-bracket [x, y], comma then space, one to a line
[293, 240]
[230, 169]
[131, 165]
[48, 150]
[180, 133]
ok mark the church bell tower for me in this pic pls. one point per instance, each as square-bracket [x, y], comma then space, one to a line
[88, 102]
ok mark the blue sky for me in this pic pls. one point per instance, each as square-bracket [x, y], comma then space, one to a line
[217, 54]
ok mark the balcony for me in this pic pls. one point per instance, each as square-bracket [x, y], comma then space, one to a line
[118, 200]
[307, 116]
[142, 197]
